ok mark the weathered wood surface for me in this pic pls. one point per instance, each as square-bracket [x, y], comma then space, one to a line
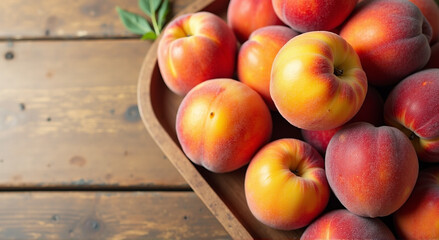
[106, 215]
[31, 19]
[69, 120]
[69, 117]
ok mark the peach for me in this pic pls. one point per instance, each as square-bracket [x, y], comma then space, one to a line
[306, 16]
[221, 123]
[371, 111]
[256, 57]
[285, 184]
[342, 224]
[391, 38]
[371, 170]
[317, 82]
[196, 47]
[430, 10]
[246, 16]
[434, 59]
[418, 218]
[413, 107]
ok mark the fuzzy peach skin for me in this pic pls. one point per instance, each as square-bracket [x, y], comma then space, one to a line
[317, 82]
[256, 57]
[418, 218]
[196, 47]
[430, 10]
[246, 16]
[371, 170]
[371, 111]
[342, 224]
[221, 123]
[434, 59]
[306, 16]
[391, 37]
[285, 184]
[413, 107]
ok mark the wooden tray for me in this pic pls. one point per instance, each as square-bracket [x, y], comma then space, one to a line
[223, 194]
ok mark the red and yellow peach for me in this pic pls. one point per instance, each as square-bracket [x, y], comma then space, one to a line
[418, 218]
[413, 107]
[317, 82]
[194, 48]
[371, 170]
[246, 16]
[285, 184]
[221, 123]
[256, 57]
[391, 37]
[342, 224]
[306, 16]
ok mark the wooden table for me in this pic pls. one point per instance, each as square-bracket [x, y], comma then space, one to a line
[76, 161]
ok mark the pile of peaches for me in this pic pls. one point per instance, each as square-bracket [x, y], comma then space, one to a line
[358, 79]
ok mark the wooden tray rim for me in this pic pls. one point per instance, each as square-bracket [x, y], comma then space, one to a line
[195, 180]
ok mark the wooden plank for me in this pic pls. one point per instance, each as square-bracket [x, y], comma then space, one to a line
[106, 215]
[69, 117]
[21, 19]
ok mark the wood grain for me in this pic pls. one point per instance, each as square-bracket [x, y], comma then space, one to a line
[69, 117]
[27, 19]
[106, 215]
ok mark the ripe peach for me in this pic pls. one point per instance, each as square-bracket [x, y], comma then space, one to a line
[342, 224]
[371, 170]
[196, 47]
[418, 218]
[391, 37]
[371, 111]
[430, 10]
[256, 57]
[245, 16]
[317, 82]
[221, 123]
[306, 16]
[285, 184]
[413, 107]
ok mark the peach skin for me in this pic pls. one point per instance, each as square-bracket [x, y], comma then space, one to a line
[194, 48]
[391, 37]
[221, 123]
[317, 82]
[306, 16]
[285, 184]
[418, 218]
[430, 10]
[246, 16]
[342, 224]
[371, 170]
[371, 111]
[256, 57]
[413, 107]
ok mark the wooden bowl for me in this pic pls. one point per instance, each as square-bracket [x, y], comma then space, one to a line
[223, 194]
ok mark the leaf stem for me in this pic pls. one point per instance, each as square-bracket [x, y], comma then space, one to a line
[154, 20]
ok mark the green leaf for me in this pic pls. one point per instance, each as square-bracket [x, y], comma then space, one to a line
[149, 36]
[149, 6]
[133, 22]
[162, 14]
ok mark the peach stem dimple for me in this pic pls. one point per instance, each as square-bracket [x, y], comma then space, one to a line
[338, 72]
